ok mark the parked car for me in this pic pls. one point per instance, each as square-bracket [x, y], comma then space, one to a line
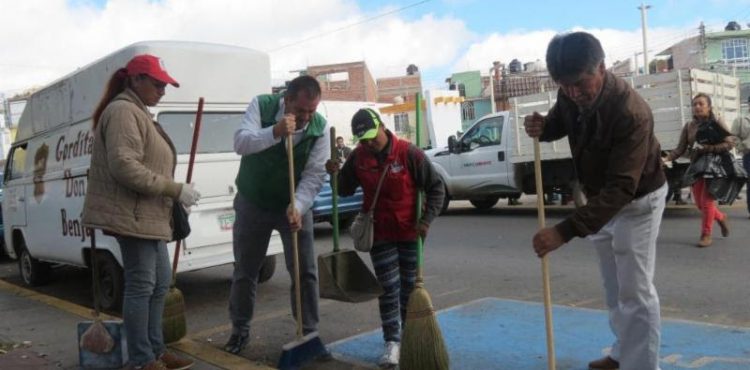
[348, 206]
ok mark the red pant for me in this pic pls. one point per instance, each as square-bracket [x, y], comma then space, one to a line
[706, 204]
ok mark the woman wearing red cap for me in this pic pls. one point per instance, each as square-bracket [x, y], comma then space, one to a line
[130, 194]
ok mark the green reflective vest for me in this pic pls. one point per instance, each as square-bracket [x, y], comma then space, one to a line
[264, 176]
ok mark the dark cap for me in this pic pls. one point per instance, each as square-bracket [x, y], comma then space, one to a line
[365, 124]
[152, 66]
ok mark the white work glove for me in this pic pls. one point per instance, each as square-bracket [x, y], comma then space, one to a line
[189, 196]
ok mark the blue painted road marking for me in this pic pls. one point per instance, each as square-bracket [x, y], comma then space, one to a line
[493, 333]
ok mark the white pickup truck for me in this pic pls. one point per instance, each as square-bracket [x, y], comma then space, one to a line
[494, 158]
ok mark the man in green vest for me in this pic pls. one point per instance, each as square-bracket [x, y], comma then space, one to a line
[262, 203]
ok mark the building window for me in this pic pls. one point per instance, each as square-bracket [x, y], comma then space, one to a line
[334, 81]
[462, 90]
[401, 122]
[734, 50]
[467, 111]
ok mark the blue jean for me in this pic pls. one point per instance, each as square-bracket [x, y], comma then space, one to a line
[147, 278]
[746, 164]
[252, 232]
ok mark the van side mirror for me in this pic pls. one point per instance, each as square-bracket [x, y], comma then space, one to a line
[453, 144]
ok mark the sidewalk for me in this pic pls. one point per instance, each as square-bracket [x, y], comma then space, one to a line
[43, 331]
[38, 331]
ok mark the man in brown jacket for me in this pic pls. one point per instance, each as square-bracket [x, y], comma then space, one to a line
[616, 157]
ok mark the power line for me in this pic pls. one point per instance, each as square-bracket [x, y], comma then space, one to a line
[351, 25]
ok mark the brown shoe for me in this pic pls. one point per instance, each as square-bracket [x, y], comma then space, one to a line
[174, 362]
[604, 363]
[705, 241]
[724, 225]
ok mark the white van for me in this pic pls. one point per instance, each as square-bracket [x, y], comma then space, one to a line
[46, 172]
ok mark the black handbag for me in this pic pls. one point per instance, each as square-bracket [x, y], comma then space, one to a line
[180, 224]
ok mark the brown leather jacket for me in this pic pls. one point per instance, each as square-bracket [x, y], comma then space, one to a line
[615, 153]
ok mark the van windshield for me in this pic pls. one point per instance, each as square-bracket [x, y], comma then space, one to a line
[217, 130]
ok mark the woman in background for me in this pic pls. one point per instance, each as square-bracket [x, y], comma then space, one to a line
[704, 136]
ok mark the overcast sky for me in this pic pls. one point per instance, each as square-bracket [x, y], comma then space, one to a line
[42, 40]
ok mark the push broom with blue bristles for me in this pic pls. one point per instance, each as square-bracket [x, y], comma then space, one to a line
[304, 348]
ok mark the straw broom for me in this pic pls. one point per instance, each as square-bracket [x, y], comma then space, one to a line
[422, 344]
[174, 323]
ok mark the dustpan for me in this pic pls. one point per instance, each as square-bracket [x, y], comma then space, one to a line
[342, 274]
[101, 344]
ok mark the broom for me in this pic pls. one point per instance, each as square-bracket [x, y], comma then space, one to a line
[422, 344]
[545, 263]
[308, 347]
[174, 324]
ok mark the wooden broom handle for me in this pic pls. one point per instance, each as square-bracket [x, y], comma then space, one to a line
[295, 247]
[545, 264]
[191, 162]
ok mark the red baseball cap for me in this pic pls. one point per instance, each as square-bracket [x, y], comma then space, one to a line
[152, 66]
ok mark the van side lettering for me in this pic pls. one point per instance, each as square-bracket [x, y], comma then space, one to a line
[83, 145]
[74, 187]
[73, 227]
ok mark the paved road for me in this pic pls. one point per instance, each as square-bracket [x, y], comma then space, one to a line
[469, 255]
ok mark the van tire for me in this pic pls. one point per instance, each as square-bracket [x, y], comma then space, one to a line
[267, 269]
[111, 282]
[33, 272]
[485, 203]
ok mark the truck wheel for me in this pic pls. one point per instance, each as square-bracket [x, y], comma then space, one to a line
[267, 270]
[33, 272]
[446, 202]
[111, 282]
[485, 203]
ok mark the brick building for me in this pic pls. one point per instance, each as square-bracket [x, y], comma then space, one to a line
[389, 88]
[345, 81]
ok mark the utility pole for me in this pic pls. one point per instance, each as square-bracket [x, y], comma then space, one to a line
[702, 40]
[644, 27]
[492, 90]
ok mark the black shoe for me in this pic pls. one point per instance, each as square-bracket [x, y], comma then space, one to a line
[325, 356]
[236, 343]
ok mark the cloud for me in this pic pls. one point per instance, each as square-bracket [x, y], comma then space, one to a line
[296, 33]
[529, 46]
[62, 37]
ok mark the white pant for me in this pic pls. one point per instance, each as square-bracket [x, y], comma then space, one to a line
[627, 256]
